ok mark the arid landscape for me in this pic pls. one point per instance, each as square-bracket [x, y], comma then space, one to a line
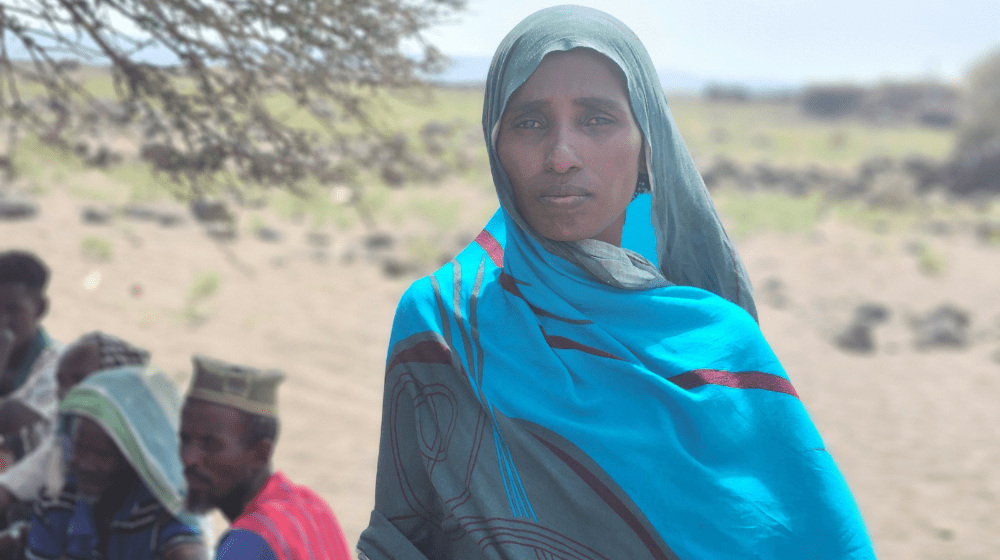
[884, 305]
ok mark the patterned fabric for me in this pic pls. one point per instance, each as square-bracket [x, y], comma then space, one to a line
[113, 351]
[142, 529]
[294, 521]
[35, 385]
[240, 544]
[534, 411]
[139, 409]
[25, 474]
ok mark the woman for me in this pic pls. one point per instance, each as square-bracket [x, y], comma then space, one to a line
[553, 394]
[125, 491]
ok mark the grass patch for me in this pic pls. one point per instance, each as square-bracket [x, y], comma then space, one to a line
[929, 261]
[97, 248]
[204, 286]
[781, 134]
[751, 213]
[443, 214]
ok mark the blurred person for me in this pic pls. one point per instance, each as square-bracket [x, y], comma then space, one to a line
[229, 425]
[28, 357]
[587, 379]
[124, 494]
[23, 482]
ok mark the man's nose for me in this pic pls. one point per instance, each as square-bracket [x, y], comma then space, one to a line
[190, 455]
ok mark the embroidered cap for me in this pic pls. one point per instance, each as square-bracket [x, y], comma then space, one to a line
[250, 389]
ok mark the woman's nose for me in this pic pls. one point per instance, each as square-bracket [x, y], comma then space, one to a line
[562, 156]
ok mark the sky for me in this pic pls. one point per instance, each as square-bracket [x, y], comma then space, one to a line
[771, 41]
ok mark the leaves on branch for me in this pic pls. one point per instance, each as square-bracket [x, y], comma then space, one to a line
[239, 65]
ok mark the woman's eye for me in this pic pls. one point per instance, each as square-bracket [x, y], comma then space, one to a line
[597, 121]
[527, 123]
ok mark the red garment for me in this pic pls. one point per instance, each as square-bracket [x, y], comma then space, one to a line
[294, 521]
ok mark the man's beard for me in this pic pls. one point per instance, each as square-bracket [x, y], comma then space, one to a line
[201, 502]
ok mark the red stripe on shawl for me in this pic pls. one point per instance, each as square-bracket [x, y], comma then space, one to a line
[609, 497]
[739, 380]
[295, 522]
[562, 343]
[492, 247]
[425, 352]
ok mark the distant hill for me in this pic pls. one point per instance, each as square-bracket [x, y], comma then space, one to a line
[473, 70]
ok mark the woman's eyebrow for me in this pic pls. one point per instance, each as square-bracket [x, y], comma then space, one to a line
[526, 106]
[598, 103]
[588, 102]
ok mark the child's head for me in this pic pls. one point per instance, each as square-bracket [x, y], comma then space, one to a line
[23, 278]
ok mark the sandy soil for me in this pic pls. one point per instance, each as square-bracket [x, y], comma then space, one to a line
[914, 431]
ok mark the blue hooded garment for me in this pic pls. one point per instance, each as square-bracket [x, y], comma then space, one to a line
[550, 399]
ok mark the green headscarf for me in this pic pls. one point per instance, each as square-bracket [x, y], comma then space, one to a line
[691, 245]
[139, 408]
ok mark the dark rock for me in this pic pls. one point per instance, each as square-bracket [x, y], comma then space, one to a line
[379, 241]
[268, 234]
[95, 216]
[104, 157]
[141, 212]
[773, 292]
[858, 335]
[988, 232]
[207, 211]
[939, 228]
[975, 170]
[394, 267]
[394, 173]
[17, 209]
[169, 219]
[221, 231]
[318, 239]
[871, 314]
[947, 326]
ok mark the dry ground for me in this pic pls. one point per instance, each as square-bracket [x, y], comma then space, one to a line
[916, 432]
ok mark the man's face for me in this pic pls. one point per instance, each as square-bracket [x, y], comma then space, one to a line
[20, 311]
[216, 460]
[75, 365]
[97, 461]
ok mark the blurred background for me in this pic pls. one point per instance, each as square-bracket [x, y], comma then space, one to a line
[198, 185]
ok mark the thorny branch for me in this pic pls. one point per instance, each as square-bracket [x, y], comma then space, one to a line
[236, 64]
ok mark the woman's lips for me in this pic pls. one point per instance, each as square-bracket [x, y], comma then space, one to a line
[563, 197]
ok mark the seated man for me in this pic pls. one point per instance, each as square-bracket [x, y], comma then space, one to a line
[91, 352]
[124, 494]
[27, 357]
[228, 427]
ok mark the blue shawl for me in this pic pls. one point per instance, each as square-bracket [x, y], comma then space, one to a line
[562, 400]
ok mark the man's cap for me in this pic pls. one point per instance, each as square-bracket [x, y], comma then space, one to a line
[250, 389]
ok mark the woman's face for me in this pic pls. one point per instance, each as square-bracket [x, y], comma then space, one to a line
[571, 147]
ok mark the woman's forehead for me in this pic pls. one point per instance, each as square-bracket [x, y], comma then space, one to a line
[582, 68]
[580, 72]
